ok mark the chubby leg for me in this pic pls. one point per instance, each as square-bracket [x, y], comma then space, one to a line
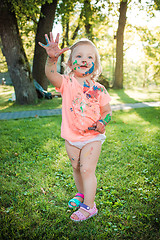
[74, 156]
[88, 161]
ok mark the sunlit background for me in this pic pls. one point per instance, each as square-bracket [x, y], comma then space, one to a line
[141, 40]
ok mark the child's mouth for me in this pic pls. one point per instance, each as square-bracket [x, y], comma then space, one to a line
[83, 66]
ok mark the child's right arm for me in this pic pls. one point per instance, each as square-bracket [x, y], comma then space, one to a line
[51, 72]
[53, 52]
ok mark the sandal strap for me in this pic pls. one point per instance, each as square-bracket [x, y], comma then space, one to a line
[79, 195]
[76, 201]
[84, 206]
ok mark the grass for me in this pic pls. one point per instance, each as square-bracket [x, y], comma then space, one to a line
[9, 106]
[135, 95]
[118, 97]
[37, 180]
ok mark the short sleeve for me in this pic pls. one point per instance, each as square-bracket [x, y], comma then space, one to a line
[104, 97]
[62, 85]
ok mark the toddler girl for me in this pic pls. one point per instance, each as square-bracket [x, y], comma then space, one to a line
[85, 113]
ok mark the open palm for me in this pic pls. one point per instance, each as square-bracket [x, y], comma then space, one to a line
[51, 47]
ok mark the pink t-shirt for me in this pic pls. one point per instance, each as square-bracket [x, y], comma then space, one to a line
[80, 108]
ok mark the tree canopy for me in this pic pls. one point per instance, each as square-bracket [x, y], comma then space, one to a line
[98, 21]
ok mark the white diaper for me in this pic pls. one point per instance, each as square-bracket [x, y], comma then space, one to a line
[80, 145]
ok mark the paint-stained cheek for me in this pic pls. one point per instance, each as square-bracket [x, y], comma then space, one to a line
[90, 70]
[76, 65]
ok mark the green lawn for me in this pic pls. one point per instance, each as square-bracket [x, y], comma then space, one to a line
[118, 97]
[37, 180]
[8, 106]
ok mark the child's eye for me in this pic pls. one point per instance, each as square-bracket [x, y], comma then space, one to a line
[90, 57]
[78, 56]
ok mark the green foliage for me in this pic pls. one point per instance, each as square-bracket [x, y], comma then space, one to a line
[102, 17]
[151, 46]
[157, 4]
[37, 180]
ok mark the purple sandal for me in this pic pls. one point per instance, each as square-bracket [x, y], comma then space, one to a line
[92, 212]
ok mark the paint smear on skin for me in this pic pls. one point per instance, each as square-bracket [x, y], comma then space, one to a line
[46, 39]
[106, 120]
[43, 45]
[90, 70]
[89, 152]
[47, 42]
[75, 62]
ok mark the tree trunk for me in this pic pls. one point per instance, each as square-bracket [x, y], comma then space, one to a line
[118, 82]
[88, 18]
[17, 62]
[45, 25]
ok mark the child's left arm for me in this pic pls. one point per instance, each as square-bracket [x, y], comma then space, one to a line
[106, 115]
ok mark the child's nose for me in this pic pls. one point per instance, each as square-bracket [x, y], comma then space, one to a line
[84, 61]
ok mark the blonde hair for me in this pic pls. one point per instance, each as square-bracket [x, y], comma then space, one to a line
[97, 66]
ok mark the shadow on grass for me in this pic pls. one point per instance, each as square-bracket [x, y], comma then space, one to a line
[125, 98]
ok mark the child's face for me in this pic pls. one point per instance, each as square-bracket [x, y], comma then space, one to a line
[83, 60]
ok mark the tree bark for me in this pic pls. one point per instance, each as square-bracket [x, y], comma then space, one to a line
[118, 82]
[45, 25]
[17, 62]
[88, 18]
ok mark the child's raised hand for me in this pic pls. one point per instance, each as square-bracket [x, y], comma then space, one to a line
[51, 47]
